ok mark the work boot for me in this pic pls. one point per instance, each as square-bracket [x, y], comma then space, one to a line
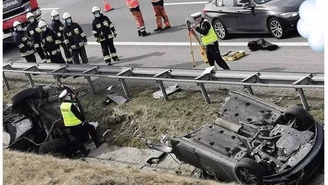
[116, 59]
[166, 27]
[144, 34]
[108, 62]
[86, 153]
[158, 29]
[139, 33]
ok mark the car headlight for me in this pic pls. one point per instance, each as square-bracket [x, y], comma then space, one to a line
[37, 12]
[289, 14]
[27, 7]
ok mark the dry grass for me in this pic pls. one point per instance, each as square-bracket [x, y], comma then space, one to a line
[28, 169]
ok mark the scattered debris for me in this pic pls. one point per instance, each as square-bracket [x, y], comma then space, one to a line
[233, 55]
[104, 134]
[170, 90]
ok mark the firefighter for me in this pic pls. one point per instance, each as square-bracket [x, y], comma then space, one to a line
[34, 32]
[23, 42]
[209, 39]
[104, 32]
[51, 44]
[75, 121]
[58, 28]
[158, 6]
[75, 39]
[136, 12]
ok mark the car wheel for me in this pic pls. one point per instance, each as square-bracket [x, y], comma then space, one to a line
[55, 146]
[220, 29]
[276, 28]
[22, 95]
[304, 120]
[250, 172]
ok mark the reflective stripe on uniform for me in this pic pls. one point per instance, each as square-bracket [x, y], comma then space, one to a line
[107, 57]
[112, 25]
[210, 37]
[69, 118]
[38, 30]
[59, 34]
[82, 34]
[57, 42]
[66, 41]
[54, 52]
[49, 39]
[21, 45]
[48, 61]
[27, 53]
[24, 39]
[115, 32]
[36, 46]
[70, 59]
[110, 36]
[61, 28]
[114, 55]
[94, 32]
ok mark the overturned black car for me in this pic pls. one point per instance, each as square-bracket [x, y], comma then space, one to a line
[253, 142]
[33, 122]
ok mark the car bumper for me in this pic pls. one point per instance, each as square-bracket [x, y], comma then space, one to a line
[307, 166]
[290, 23]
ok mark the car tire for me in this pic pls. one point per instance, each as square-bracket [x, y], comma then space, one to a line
[22, 95]
[55, 146]
[249, 171]
[220, 29]
[304, 119]
[276, 28]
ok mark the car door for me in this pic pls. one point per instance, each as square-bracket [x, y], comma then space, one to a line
[227, 14]
[251, 18]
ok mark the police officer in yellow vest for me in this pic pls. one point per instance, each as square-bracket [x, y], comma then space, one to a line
[209, 39]
[75, 121]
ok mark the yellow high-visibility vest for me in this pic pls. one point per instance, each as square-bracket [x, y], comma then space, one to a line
[69, 118]
[210, 37]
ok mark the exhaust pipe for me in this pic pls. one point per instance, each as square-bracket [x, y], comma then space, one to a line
[228, 125]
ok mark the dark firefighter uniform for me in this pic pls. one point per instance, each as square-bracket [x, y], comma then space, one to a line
[34, 32]
[104, 32]
[75, 39]
[75, 121]
[25, 46]
[58, 28]
[210, 40]
[51, 45]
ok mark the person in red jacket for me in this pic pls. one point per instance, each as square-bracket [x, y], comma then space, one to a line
[160, 13]
[136, 12]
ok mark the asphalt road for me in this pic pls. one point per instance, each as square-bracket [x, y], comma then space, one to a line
[134, 51]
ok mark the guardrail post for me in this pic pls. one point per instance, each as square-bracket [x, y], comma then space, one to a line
[161, 86]
[125, 88]
[58, 79]
[303, 99]
[30, 80]
[91, 87]
[254, 78]
[5, 81]
[204, 93]
[249, 88]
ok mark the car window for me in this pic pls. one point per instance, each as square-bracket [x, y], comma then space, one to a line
[228, 3]
[219, 3]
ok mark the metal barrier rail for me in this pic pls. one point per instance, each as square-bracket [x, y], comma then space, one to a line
[247, 79]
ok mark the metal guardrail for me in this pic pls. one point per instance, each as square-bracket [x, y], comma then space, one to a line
[247, 79]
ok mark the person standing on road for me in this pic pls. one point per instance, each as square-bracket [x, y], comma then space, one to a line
[34, 32]
[209, 39]
[23, 42]
[51, 44]
[160, 13]
[104, 32]
[75, 39]
[75, 121]
[58, 28]
[136, 12]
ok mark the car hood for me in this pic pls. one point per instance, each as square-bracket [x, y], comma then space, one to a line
[284, 6]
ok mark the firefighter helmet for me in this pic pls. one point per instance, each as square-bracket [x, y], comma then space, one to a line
[95, 9]
[42, 23]
[16, 23]
[66, 15]
[54, 13]
[29, 14]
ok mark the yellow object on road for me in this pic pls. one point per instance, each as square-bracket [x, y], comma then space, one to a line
[233, 55]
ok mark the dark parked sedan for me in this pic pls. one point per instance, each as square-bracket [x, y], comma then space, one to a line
[277, 17]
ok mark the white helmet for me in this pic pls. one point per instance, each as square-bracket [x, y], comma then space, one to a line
[41, 24]
[66, 15]
[64, 95]
[54, 13]
[16, 23]
[29, 14]
[95, 9]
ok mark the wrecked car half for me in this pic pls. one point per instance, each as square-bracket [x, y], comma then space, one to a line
[254, 142]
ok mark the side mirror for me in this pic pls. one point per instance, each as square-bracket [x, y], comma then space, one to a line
[248, 6]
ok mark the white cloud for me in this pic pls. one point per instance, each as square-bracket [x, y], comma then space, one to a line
[311, 23]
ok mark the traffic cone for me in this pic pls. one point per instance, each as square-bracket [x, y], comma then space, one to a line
[107, 7]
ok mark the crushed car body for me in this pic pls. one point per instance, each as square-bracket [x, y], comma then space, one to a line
[253, 142]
